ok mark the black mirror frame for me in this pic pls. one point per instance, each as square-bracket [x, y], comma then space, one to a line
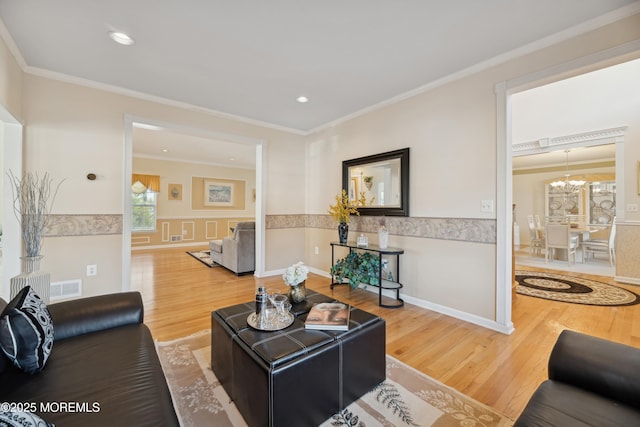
[403, 155]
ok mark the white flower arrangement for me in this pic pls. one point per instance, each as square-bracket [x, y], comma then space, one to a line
[295, 274]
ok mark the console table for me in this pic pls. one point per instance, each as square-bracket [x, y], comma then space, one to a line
[383, 283]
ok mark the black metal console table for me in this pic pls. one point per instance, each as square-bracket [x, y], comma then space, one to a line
[383, 283]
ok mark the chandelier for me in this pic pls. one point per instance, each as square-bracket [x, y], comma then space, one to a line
[568, 185]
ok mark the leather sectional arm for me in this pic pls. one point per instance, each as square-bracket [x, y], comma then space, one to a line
[603, 367]
[92, 314]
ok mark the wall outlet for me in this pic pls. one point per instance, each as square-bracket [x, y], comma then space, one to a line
[316, 250]
[92, 270]
[486, 206]
[632, 207]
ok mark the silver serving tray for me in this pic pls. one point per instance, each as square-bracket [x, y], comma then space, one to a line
[252, 321]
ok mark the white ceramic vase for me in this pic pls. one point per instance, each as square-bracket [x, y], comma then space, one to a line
[383, 238]
[40, 281]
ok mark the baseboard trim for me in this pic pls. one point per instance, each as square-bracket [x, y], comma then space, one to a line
[448, 311]
[461, 315]
[629, 280]
[172, 245]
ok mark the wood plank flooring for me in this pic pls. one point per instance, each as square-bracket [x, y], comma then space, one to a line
[499, 370]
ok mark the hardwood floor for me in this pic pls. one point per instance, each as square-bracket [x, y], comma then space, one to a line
[499, 370]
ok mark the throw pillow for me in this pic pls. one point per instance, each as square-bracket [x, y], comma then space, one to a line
[26, 331]
[22, 419]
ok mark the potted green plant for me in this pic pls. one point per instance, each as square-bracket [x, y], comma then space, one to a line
[358, 268]
[368, 181]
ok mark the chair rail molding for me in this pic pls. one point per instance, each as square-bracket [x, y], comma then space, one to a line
[476, 230]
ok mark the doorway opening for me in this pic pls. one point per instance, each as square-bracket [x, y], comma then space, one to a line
[505, 136]
[158, 133]
[586, 117]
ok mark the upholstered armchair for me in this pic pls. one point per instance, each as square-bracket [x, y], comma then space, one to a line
[237, 253]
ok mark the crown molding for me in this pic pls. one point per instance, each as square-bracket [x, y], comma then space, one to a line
[586, 139]
[11, 45]
[40, 72]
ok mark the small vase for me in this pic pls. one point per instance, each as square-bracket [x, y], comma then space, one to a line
[298, 293]
[383, 238]
[343, 232]
[31, 275]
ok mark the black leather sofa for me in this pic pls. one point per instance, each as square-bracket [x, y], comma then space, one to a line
[592, 382]
[103, 369]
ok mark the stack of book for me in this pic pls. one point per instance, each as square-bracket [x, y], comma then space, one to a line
[333, 316]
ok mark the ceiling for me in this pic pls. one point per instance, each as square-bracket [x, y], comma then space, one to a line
[167, 144]
[251, 59]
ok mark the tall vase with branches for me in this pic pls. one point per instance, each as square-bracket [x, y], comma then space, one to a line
[33, 197]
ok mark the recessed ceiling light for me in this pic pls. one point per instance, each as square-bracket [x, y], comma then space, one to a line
[121, 38]
[164, 150]
[232, 158]
[302, 99]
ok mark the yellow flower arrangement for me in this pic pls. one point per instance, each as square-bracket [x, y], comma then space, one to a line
[342, 210]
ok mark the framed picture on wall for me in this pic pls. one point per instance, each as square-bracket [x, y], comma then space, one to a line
[174, 192]
[217, 193]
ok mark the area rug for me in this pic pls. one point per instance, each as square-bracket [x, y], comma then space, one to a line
[406, 398]
[572, 289]
[204, 257]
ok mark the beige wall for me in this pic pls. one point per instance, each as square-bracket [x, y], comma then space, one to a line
[186, 231]
[177, 172]
[72, 130]
[628, 253]
[451, 130]
[197, 225]
[10, 83]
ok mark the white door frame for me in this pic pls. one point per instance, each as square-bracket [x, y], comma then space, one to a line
[260, 145]
[504, 189]
[11, 161]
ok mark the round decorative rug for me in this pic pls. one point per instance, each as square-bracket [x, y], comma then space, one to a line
[572, 289]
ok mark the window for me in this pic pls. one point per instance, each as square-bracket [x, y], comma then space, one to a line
[144, 211]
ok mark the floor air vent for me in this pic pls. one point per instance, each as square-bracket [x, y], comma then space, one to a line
[66, 289]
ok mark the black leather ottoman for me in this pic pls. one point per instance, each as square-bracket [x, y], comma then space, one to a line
[295, 375]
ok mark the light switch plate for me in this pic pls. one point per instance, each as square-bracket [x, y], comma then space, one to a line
[486, 206]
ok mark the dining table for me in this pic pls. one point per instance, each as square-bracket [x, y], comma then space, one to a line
[583, 232]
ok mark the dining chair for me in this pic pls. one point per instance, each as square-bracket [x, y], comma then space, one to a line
[536, 243]
[538, 222]
[590, 247]
[558, 236]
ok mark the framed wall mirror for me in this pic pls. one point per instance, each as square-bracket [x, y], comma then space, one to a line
[382, 180]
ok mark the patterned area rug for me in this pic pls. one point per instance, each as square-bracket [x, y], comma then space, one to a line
[572, 289]
[204, 257]
[406, 398]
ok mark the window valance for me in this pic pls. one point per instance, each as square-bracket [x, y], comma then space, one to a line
[151, 182]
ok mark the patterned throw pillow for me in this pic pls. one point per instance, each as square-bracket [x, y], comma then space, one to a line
[22, 419]
[26, 331]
